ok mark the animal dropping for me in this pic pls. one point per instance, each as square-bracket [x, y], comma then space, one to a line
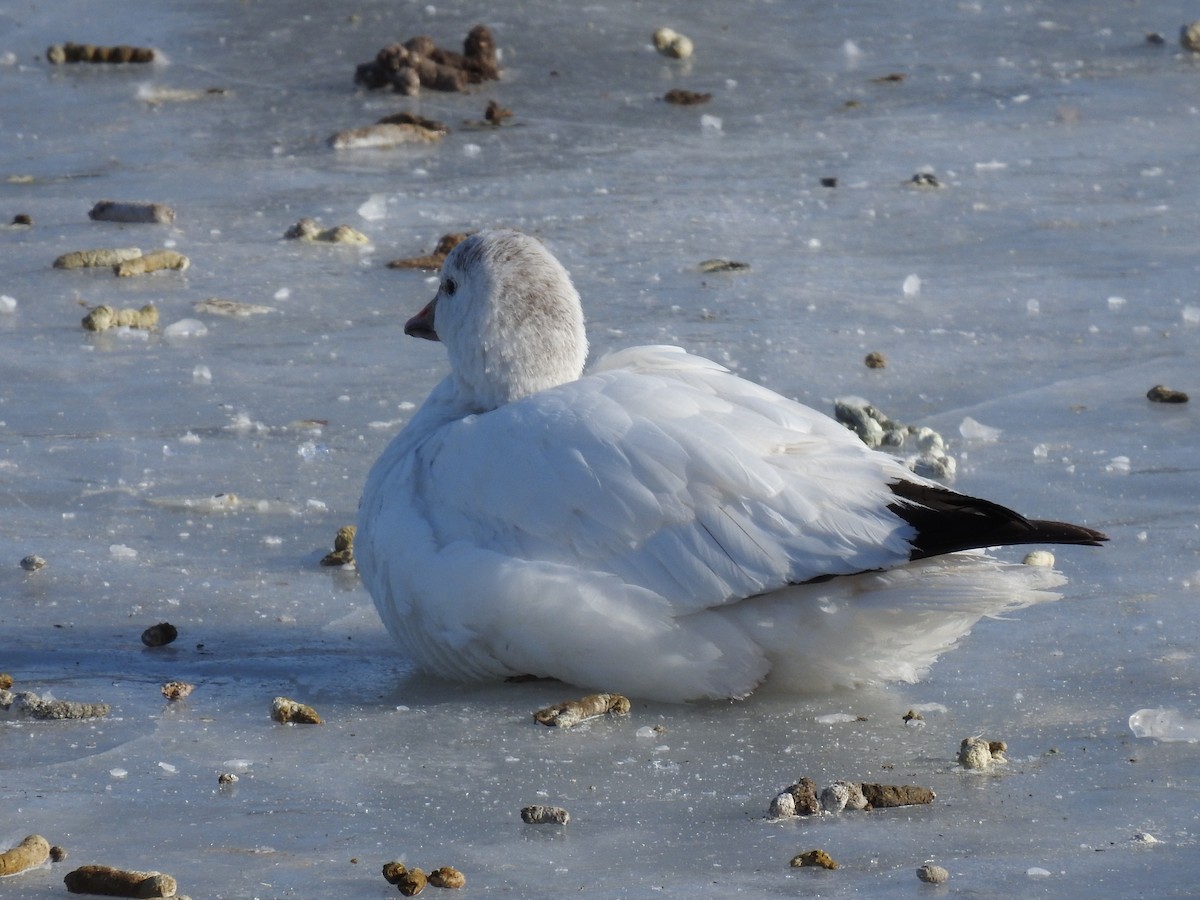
[813, 858]
[151, 262]
[343, 548]
[434, 260]
[29, 854]
[104, 257]
[119, 882]
[104, 317]
[308, 230]
[60, 54]
[290, 712]
[545, 815]
[114, 211]
[570, 713]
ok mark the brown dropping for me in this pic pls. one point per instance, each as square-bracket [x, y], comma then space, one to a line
[160, 635]
[104, 317]
[151, 262]
[433, 260]
[447, 877]
[419, 62]
[343, 548]
[875, 360]
[817, 858]
[6, 681]
[723, 265]
[290, 712]
[383, 136]
[31, 706]
[412, 882]
[393, 871]
[571, 712]
[881, 796]
[407, 118]
[495, 114]
[31, 852]
[307, 229]
[59, 54]
[680, 97]
[119, 882]
[1163, 394]
[102, 257]
[115, 211]
[932, 874]
[177, 690]
[804, 792]
[545, 815]
[57, 853]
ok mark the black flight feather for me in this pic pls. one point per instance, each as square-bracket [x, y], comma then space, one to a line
[946, 521]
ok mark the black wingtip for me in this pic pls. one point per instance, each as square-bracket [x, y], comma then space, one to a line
[946, 521]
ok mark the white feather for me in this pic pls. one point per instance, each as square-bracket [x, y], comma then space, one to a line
[647, 528]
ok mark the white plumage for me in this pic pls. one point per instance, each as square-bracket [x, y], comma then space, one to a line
[655, 526]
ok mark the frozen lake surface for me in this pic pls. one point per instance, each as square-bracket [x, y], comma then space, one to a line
[1056, 275]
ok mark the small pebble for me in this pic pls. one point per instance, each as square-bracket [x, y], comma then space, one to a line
[875, 360]
[32, 563]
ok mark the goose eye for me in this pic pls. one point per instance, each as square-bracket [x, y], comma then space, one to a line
[449, 286]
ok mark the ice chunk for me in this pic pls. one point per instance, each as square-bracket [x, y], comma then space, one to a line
[712, 124]
[375, 208]
[977, 431]
[836, 718]
[185, 328]
[8, 304]
[1191, 315]
[1116, 302]
[120, 551]
[202, 375]
[1164, 725]
[1118, 465]
[912, 286]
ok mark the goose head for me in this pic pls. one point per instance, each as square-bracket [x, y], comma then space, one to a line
[509, 317]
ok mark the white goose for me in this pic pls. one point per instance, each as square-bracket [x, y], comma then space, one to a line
[659, 526]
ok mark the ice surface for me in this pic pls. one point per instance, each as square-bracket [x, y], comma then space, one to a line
[1064, 144]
